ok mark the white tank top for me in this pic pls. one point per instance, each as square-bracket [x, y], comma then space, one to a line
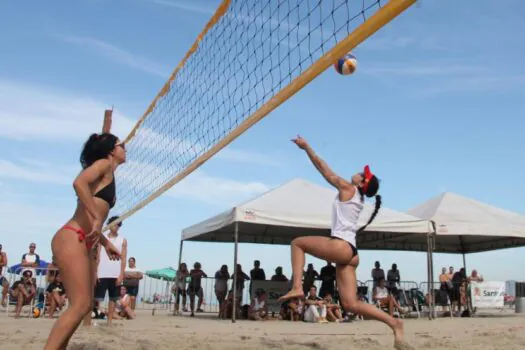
[106, 267]
[345, 216]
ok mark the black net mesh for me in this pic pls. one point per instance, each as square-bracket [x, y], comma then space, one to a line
[256, 49]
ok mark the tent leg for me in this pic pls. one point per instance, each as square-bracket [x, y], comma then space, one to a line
[465, 263]
[236, 237]
[432, 241]
[180, 254]
[429, 272]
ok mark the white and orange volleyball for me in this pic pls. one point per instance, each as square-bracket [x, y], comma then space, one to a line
[346, 65]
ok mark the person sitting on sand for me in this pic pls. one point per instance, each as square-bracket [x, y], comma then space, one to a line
[315, 307]
[123, 305]
[384, 299]
[295, 310]
[259, 307]
[56, 294]
[333, 310]
[23, 291]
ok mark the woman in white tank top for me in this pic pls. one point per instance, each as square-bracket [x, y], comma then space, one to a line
[341, 246]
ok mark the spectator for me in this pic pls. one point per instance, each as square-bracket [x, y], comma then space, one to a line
[377, 274]
[475, 277]
[241, 277]
[30, 261]
[56, 294]
[315, 307]
[110, 273]
[4, 283]
[279, 277]
[393, 279]
[179, 288]
[450, 272]
[258, 308]
[52, 271]
[457, 280]
[384, 299]
[310, 275]
[256, 274]
[195, 286]
[328, 280]
[445, 287]
[221, 288]
[23, 291]
[132, 277]
[294, 310]
[123, 305]
[333, 310]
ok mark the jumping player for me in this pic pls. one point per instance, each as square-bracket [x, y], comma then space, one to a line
[73, 245]
[341, 246]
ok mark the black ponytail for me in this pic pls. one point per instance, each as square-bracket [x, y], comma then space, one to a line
[374, 214]
[98, 146]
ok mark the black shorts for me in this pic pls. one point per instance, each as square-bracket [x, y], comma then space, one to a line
[133, 291]
[109, 285]
[354, 249]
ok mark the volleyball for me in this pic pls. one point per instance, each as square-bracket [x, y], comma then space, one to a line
[346, 65]
[36, 312]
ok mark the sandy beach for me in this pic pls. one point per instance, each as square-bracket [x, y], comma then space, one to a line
[163, 331]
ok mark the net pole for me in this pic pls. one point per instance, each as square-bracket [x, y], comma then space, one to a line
[375, 22]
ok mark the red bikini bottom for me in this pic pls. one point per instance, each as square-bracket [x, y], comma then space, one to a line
[81, 235]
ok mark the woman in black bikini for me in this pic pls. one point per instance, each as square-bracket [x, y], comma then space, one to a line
[73, 245]
[341, 247]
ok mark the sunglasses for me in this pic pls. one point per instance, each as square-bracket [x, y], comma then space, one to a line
[122, 145]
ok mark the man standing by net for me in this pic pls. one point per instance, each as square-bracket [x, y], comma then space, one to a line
[110, 273]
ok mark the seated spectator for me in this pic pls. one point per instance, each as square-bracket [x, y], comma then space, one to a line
[295, 310]
[52, 271]
[123, 305]
[56, 295]
[23, 291]
[258, 308]
[315, 307]
[384, 299]
[228, 306]
[333, 310]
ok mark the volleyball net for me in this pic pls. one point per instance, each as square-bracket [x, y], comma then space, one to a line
[251, 57]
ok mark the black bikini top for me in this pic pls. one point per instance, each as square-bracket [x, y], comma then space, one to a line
[108, 193]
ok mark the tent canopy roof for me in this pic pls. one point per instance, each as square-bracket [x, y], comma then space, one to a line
[301, 208]
[464, 225]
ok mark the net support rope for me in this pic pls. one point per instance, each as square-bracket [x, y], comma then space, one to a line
[251, 57]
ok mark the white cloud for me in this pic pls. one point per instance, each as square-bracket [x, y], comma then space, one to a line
[216, 191]
[377, 43]
[423, 70]
[37, 172]
[118, 55]
[36, 113]
[184, 6]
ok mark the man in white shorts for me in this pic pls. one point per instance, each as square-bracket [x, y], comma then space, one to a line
[110, 274]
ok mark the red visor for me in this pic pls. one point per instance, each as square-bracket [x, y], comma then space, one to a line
[368, 175]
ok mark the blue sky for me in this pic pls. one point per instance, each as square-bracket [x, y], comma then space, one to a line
[433, 107]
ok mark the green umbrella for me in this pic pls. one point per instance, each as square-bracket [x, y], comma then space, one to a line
[167, 274]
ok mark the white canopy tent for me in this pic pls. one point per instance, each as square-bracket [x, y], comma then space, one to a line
[464, 225]
[300, 208]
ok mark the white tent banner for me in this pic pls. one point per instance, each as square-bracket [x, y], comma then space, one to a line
[487, 294]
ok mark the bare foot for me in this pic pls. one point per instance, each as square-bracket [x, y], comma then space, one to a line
[399, 336]
[294, 293]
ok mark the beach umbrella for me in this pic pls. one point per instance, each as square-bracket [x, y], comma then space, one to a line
[167, 274]
[41, 269]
